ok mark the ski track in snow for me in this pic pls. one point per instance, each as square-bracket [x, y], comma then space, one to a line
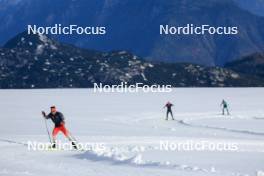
[110, 155]
[113, 157]
[13, 142]
[188, 122]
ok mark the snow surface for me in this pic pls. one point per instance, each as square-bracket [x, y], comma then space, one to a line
[131, 126]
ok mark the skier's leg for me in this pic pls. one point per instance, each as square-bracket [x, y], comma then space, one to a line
[66, 133]
[54, 134]
[227, 111]
[167, 115]
[171, 115]
[223, 111]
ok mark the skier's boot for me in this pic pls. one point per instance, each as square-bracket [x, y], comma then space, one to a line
[74, 145]
[53, 145]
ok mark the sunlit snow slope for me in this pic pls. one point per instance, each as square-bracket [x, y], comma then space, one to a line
[132, 126]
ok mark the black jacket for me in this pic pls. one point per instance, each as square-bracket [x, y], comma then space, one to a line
[168, 106]
[57, 118]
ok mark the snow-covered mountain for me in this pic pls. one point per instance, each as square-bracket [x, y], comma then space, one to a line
[134, 26]
[252, 64]
[37, 61]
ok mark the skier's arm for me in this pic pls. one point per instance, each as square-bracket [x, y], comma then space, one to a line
[165, 106]
[62, 118]
[44, 115]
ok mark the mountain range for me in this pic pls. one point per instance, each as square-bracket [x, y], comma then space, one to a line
[37, 61]
[134, 26]
[253, 6]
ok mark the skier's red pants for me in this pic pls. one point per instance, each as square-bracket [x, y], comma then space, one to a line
[61, 128]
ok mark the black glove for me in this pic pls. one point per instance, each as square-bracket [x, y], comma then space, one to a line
[43, 113]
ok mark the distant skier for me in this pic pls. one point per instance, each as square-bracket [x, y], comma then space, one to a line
[169, 111]
[59, 121]
[224, 106]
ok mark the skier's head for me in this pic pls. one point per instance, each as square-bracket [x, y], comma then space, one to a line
[53, 109]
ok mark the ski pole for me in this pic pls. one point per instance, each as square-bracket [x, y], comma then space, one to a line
[47, 130]
[72, 136]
